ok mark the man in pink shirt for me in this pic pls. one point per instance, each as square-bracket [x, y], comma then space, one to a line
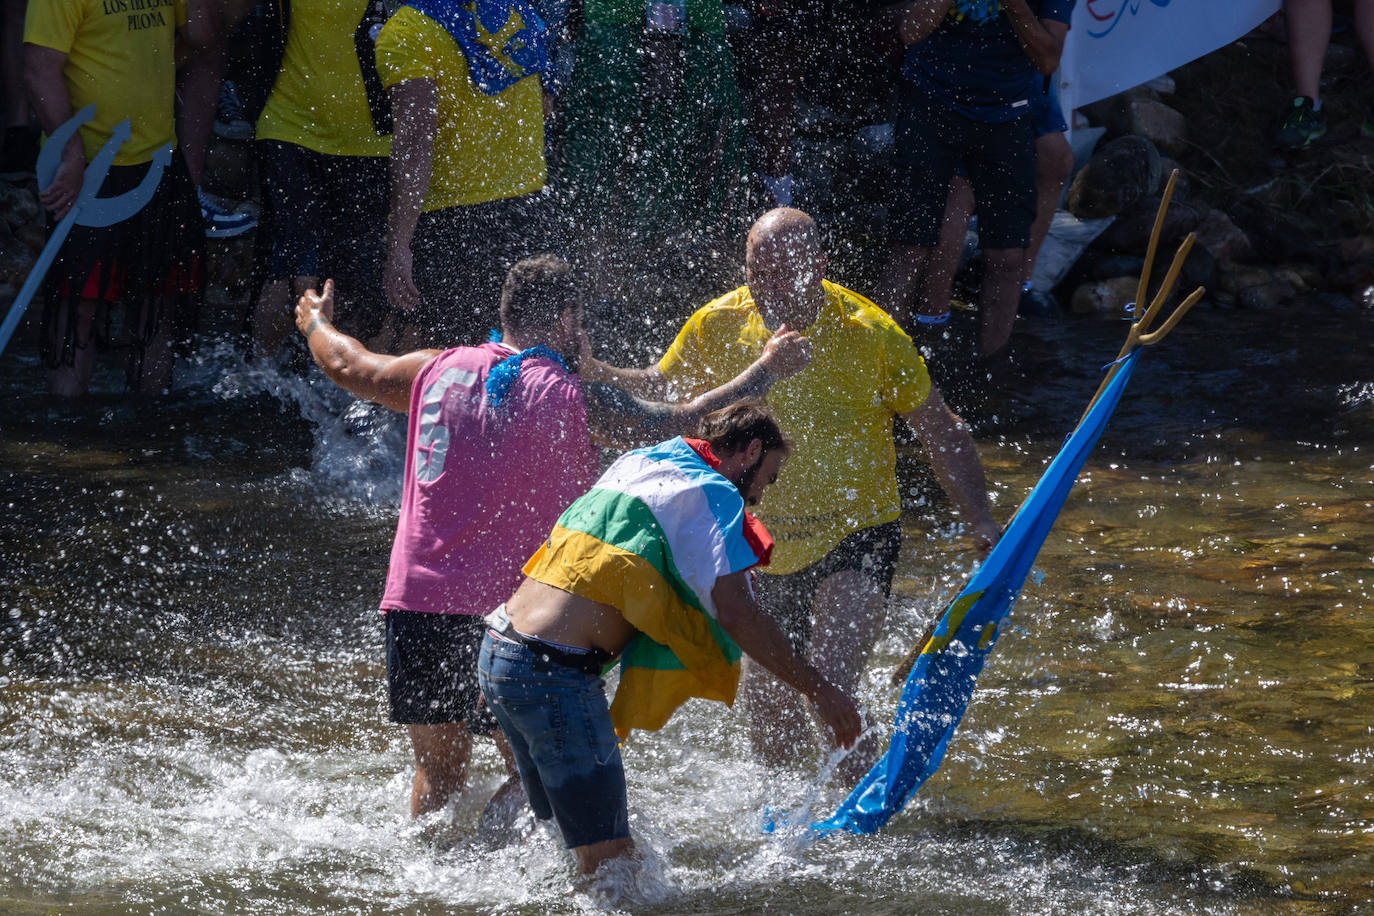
[499, 443]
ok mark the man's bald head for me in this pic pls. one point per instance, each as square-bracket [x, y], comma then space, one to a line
[783, 259]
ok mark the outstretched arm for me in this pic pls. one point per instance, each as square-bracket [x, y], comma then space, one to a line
[648, 383]
[954, 458]
[618, 418]
[1041, 39]
[376, 377]
[760, 639]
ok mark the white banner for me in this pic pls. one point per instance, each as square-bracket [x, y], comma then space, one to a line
[1116, 44]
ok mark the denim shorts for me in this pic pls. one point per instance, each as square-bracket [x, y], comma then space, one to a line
[559, 728]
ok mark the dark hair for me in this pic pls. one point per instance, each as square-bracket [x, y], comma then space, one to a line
[732, 428]
[536, 292]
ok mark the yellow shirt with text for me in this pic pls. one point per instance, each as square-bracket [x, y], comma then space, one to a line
[121, 58]
[318, 100]
[486, 147]
[842, 474]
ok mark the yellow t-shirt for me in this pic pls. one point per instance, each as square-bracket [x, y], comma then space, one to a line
[121, 57]
[842, 475]
[486, 147]
[318, 100]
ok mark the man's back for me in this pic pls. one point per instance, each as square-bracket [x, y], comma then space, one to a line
[483, 484]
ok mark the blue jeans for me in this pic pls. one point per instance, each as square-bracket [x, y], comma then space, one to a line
[559, 728]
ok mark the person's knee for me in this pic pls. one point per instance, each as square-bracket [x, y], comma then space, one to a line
[1054, 160]
[998, 261]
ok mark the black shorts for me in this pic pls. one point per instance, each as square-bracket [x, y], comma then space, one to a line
[325, 216]
[151, 265]
[460, 258]
[788, 598]
[431, 669]
[932, 142]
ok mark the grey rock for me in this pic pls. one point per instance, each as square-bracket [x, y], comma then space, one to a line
[1222, 238]
[1117, 176]
[1104, 297]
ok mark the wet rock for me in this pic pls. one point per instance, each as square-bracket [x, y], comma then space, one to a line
[1131, 231]
[18, 206]
[1262, 287]
[1356, 248]
[1116, 177]
[1275, 237]
[1352, 275]
[32, 236]
[1222, 238]
[1166, 128]
[1104, 297]
[15, 263]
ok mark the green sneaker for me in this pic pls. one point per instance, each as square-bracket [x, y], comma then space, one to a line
[1301, 125]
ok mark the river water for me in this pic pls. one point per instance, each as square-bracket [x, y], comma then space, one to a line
[1180, 718]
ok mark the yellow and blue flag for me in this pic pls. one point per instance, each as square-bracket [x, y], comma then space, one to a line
[940, 685]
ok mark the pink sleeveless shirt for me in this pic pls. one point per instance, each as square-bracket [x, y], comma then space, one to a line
[483, 486]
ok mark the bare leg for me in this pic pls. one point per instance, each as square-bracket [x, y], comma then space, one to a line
[441, 764]
[935, 287]
[1309, 32]
[199, 95]
[72, 381]
[1364, 27]
[900, 279]
[849, 609]
[153, 375]
[779, 727]
[1053, 164]
[999, 297]
[590, 857]
[272, 320]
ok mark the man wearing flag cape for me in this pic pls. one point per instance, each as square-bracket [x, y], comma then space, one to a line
[652, 566]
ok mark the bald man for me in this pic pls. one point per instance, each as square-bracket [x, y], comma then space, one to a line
[834, 513]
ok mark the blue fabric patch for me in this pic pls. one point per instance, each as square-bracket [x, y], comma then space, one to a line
[494, 69]
[503, 375]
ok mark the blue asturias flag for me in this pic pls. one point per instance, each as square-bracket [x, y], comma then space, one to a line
[941, 682]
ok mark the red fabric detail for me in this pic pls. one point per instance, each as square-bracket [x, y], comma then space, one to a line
[91, 288]
[755, 535]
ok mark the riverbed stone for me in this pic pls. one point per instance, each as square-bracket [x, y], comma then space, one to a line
[1222, 238]
[1104, 297]
[1117, 176]
[18, 205]
[1163, 126]
[1262, 287]
[1131, 231]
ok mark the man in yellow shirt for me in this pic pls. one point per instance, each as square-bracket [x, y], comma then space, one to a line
[119, 56]
[834, 514]
[324, 169]
[467, 161]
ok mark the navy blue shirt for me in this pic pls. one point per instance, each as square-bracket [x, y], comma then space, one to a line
[979, 68]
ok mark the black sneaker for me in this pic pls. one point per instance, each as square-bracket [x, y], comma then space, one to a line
[1301, 124]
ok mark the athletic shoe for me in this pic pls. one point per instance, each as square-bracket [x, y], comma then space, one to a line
[229, 120]
[1367, 126]
[1301, 124]
[221, 223]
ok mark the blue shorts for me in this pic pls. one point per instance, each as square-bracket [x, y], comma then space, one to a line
[559, 728]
